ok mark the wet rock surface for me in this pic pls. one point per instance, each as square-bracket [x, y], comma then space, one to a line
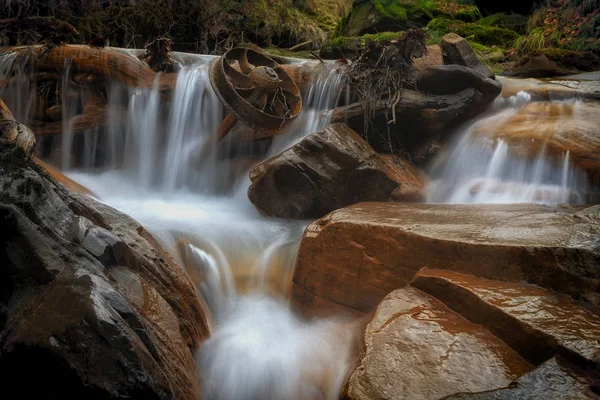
[550, 381]
[355, 256]
[456, 50]
[559, 127]
[449, 79]
[327, 170]
[91, 305]
[417, 348]
[536, 322]
[415, 110]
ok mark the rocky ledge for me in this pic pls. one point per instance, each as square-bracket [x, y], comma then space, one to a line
[354, 257]
[464, 301]
[90, 305]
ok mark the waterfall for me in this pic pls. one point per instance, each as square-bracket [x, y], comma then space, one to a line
[241, 262]
[480, 168]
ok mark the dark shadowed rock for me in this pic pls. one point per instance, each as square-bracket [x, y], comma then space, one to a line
[537, 66]
[353, 257]
[417, 348]
[327, 170]
[456, 50]
[449, 79]
[90, 305]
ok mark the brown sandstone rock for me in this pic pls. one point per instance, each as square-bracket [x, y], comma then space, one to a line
[416, 348]
[353, 257]
[325, 171]
[432, 58]
[90, 305]
[534, 321]
[560, 127]
[456, 50]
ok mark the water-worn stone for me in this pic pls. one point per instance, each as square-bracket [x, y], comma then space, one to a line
[90, 305]
[557, 127]
[449, 79]
[354, 256]
[456, 50]
[537, 66]
[415, 110]
[534, 321]
[327, 170]
[549, 381]
[416, 348]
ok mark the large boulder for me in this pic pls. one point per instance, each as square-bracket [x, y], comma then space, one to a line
[417, 348]
[90, 305]
[572, 127]
[536, 322]
[328, 170]
[456, 50]
[449, 79]
[421, 119]
[355, 256]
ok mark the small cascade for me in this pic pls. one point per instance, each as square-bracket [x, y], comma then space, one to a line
[480, 168]
[241, 262]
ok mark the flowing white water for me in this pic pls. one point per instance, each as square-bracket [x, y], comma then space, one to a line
[240, 261]
[478, 169]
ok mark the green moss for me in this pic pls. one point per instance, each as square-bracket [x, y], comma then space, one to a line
[350, 46]
[346, 41]
[391, 9]
[450, 9]
[486, 35]
[515, 22]
[276, 51]
[381, 37]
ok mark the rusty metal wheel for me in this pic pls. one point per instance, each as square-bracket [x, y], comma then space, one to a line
[255, 89]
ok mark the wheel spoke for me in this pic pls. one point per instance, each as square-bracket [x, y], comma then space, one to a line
[245, 66]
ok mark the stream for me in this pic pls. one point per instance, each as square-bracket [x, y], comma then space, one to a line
[242, 262]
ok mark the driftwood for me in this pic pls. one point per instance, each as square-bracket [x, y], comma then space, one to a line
[78, 123]
[94, 63]
[106, 62]
[114, 64]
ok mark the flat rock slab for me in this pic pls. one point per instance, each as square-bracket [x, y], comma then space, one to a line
[416, 348]
[550, 381]
[354, 256]
[532, 320]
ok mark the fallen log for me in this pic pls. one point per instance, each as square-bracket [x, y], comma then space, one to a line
[81, 122]
[115, 64]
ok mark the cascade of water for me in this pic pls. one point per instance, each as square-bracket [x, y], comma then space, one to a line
[242, 261]
[479, 169]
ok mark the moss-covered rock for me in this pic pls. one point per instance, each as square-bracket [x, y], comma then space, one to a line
[350, 46]
[486, 35]
[512, 21]
[371, 16]
[584, 61]
[451, 9]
